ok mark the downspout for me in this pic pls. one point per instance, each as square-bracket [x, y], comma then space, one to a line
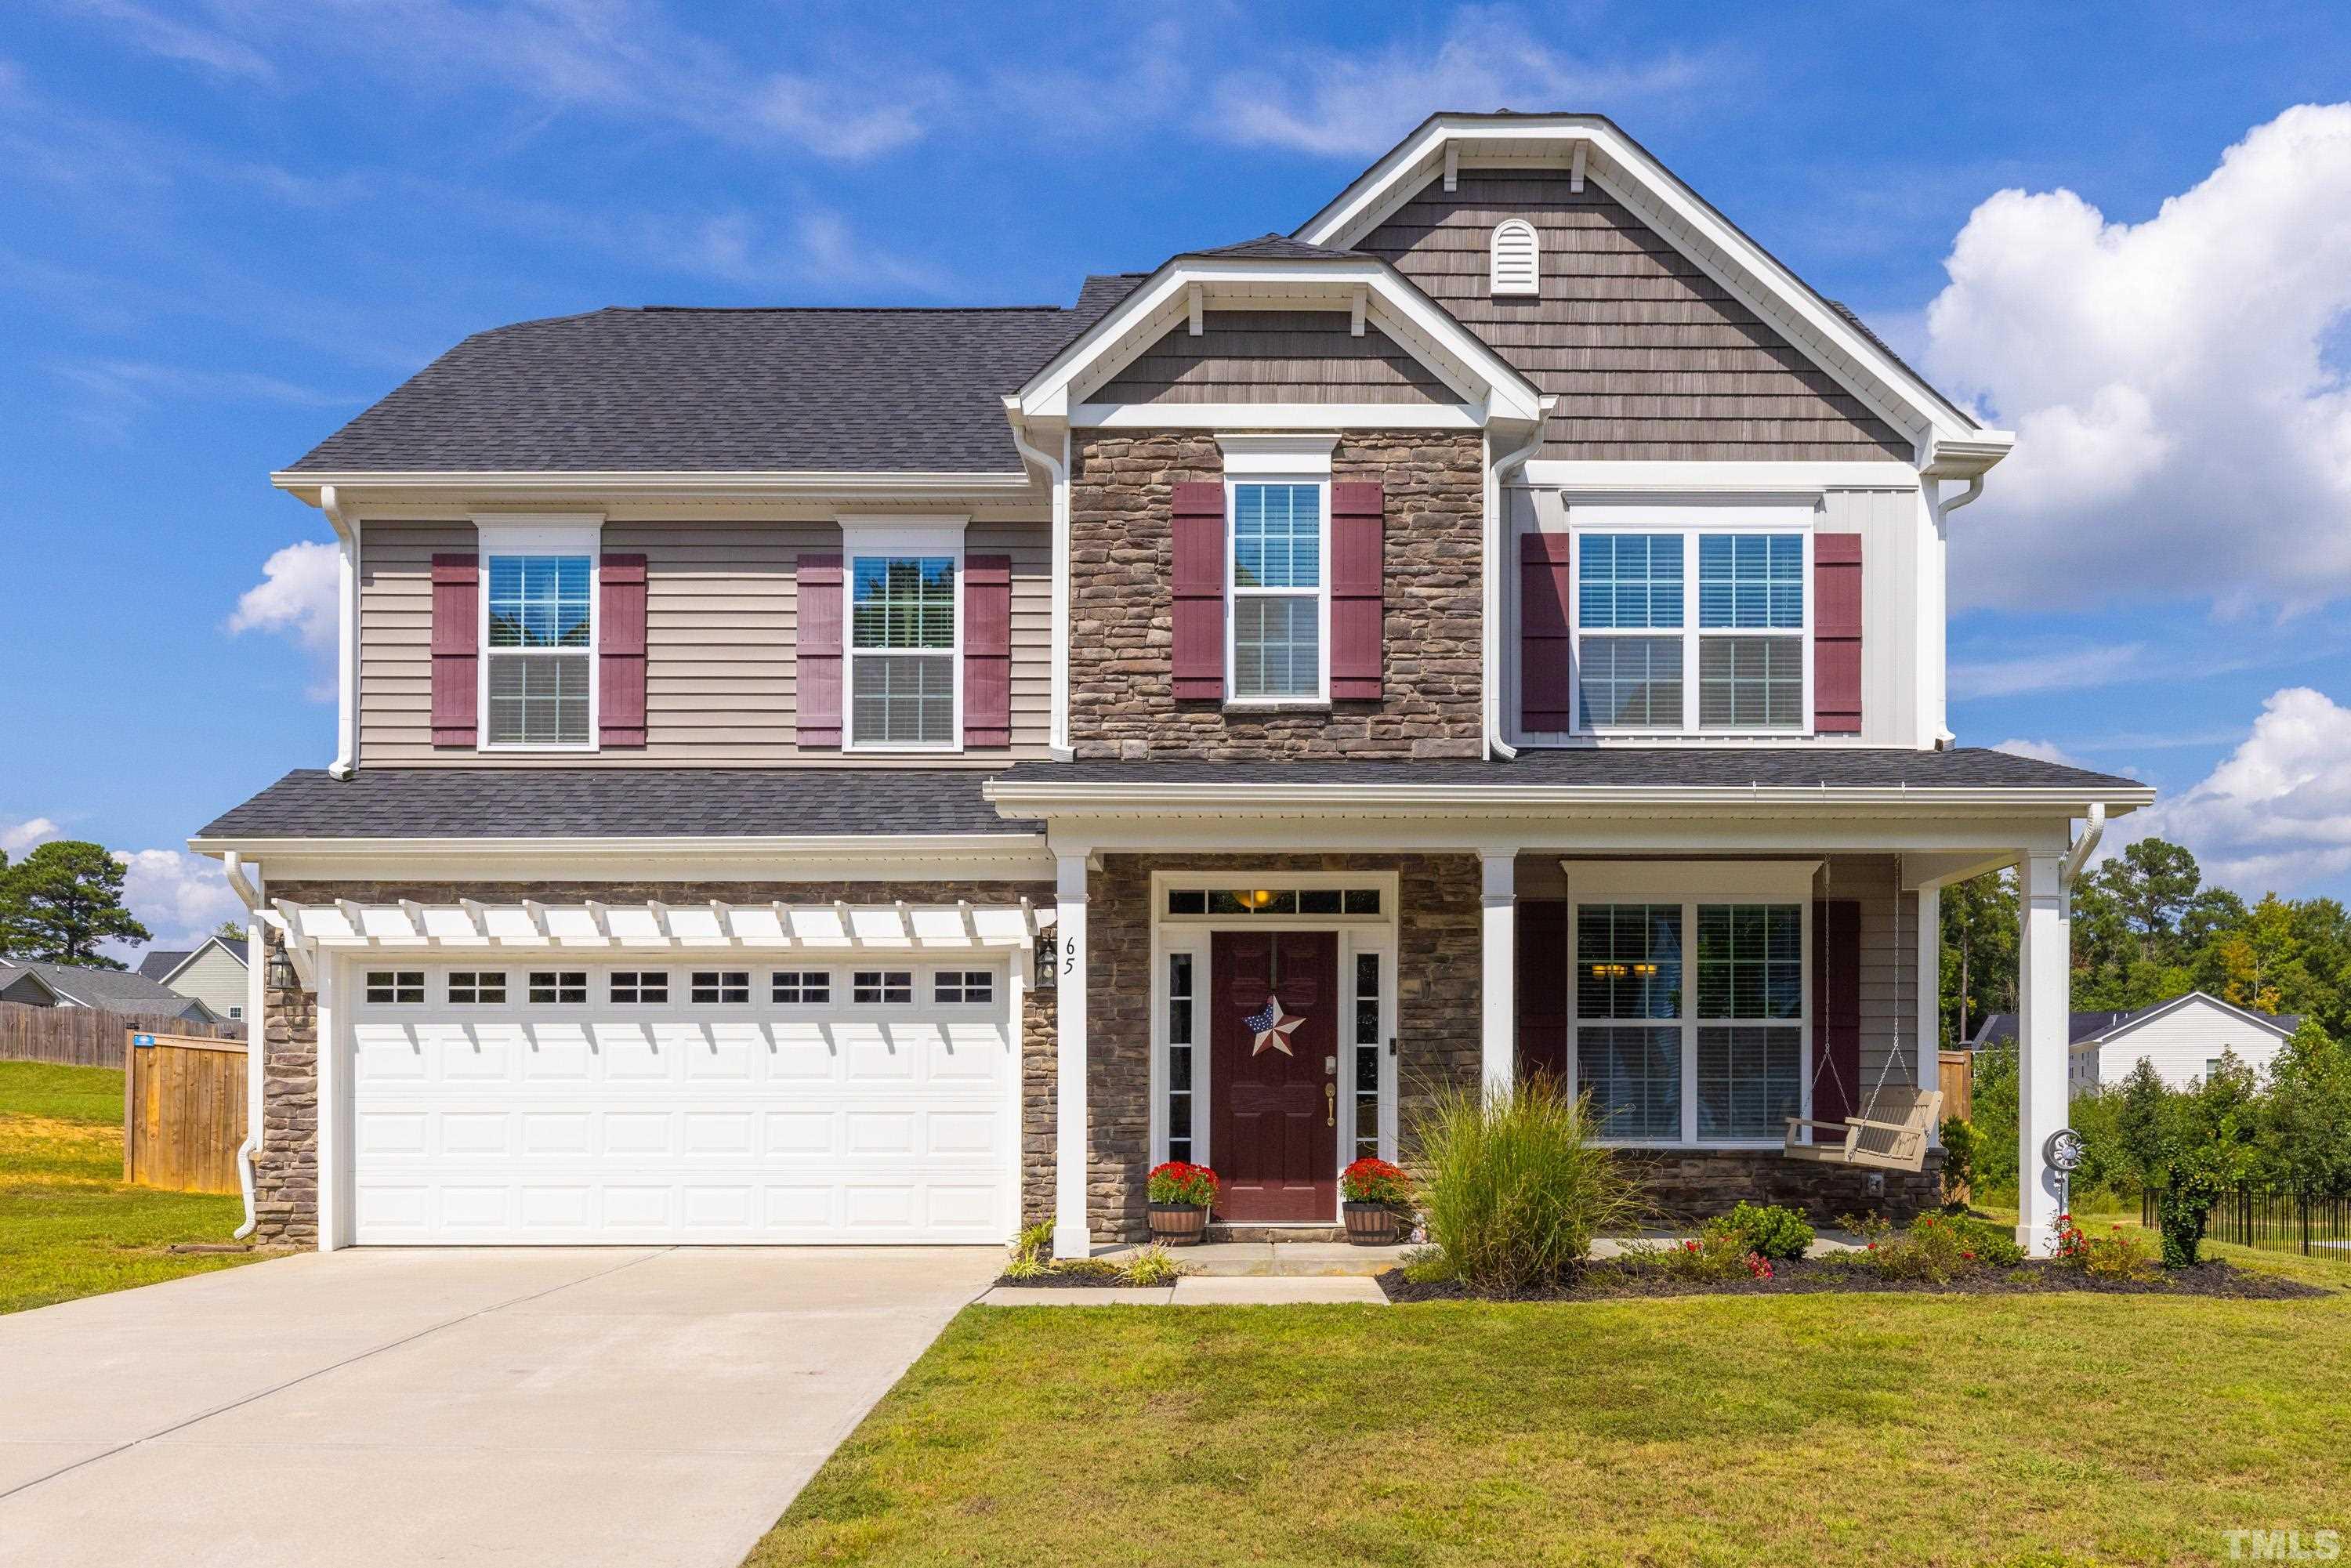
[2083, 846]
[249, 893]
[1496, 543]
[1975, 488]
[347, 645]
[1058, 471]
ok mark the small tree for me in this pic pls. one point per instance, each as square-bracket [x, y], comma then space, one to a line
[2209, 1146]
[2139, 1103]
[2305, 1135]
[64, 899]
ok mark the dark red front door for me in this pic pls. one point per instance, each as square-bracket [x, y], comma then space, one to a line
[1272, 1125]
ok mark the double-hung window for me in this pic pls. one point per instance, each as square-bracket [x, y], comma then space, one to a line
[539, 635]
[1628, 998]
[905, 641]
[1750, 992]
[1692, 629]
[1281, 618]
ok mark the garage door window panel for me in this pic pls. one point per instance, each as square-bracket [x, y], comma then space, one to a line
[721, 986]
[800, 988]
[962, 988]
[558, 987]
[640, 986]
[881, 987]
[395, 987]
[477, 987]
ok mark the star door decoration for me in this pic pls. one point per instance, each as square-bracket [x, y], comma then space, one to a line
[1272, 1027]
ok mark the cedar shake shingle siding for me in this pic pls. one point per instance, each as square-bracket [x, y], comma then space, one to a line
[1649, 356]
[1275, 356]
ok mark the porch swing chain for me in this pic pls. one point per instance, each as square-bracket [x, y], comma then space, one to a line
[1828, 989]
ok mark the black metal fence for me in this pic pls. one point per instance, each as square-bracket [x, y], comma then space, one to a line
[2274, 1222]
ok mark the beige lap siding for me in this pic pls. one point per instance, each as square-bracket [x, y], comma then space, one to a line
[286, 1173]
[721, 620]
[1122, 694]
[1648, 356]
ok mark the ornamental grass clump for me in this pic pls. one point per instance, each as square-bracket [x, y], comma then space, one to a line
[1513, 1188]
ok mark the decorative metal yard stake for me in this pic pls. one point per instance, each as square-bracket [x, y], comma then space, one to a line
[2062, 1153]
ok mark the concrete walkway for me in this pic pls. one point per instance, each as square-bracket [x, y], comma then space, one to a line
[512, 1407]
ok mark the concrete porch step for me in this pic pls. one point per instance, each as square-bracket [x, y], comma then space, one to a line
[1275, 1259]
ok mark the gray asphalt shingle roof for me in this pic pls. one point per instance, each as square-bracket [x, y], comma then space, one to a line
[581, 802]
[666, 389]
[1279, 247]
[158, 962]
[2083, 1027]
[114, 990]
[1632, 767]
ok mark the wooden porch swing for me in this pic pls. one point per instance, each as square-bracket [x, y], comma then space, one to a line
[1895, 1140]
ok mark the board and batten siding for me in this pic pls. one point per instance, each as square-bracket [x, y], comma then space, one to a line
[1901, 607]
[721, 617]
[1648, 356]
[1275, 356]
[1890, 957]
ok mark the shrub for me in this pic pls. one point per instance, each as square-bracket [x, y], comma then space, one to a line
[1960, 1140]
[2119, 1255]
[1933, 1250]
[1766, 1228]
[1152, 1265]
[1179, 1181]
[1376, 1181]
[1428, 1266]
[1717, 1255]
[1989, 1243]
[1514, 1189]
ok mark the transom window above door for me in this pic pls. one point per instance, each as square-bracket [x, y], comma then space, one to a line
[1274, 900]
[1702, 630]
[1279, 602]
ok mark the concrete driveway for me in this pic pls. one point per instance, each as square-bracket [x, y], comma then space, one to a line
[610, 1404]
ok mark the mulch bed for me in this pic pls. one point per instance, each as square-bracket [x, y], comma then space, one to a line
[1607, 1281]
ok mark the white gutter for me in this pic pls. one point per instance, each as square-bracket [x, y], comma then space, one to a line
[2083, 846]
[1037, 800]
[1058, 470]
[1496, 541]
[870, 846]
[347, 621]
[687, 483]
[249, 893]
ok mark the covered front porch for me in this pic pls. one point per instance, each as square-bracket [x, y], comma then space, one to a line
[1273, 980]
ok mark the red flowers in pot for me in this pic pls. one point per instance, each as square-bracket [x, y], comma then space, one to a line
[1377, 1193]
[1181, 1194]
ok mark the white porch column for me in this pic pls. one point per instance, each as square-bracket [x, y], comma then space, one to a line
[2043, 991]
[1498, 987]
[1072, 1237]
[1930, 1006]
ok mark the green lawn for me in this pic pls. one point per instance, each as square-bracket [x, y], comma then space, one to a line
[1876, 1429]
[68, 1226]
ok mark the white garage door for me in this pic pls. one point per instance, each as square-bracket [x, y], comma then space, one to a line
[690, 1102]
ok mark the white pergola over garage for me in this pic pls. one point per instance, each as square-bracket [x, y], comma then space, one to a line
[769, 1072]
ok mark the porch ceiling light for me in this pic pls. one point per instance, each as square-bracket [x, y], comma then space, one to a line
[1260, 897]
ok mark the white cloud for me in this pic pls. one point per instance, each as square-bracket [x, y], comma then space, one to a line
[1332, 103]
[2045, 751]
[2180, 430]
[2276, 813]
[2047, 671]
[178, 40]
[15, 838]
[296, 597]
[181, 898]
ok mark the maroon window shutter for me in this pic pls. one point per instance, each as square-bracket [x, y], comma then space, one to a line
[1546, 672]
[1541, 987]
[621, 651]
[1198, 582]
[456, 649]
[987, 650]
[818, 649]
[1836, 633]
[1358, 627]
[1836, 1009]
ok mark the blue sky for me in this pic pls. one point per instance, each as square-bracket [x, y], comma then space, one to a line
[231, 224]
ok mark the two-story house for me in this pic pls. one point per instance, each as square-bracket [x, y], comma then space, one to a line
[875, 775]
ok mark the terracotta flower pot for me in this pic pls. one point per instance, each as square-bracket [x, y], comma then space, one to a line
[1178, 1224]
[1371, 1224]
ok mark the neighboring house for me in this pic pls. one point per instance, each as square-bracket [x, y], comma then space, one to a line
[110, 990]
[215, 973]
[2184, 1038]
[843, 775]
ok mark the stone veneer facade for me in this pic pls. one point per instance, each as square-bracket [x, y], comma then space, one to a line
[287, 1172]
[1122, 615]
[1436, 1005]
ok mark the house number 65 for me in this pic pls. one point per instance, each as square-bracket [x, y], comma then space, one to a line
[1069, 956]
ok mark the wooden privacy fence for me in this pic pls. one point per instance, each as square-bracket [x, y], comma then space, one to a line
[1956, 1076]
[183, 1111]
[85, 1037]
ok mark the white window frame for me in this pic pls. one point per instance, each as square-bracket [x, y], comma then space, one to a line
[891, 538]
[1235, 592]
[538, 536]
[1690, 885]
[1192, 934]
[1691, 522]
